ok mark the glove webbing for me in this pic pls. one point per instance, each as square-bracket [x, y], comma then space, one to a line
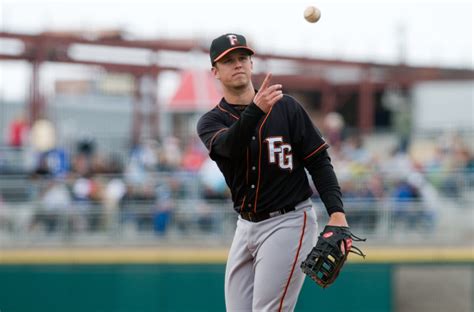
[357, 250]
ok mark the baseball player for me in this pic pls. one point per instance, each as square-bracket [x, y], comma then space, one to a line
[262, 141]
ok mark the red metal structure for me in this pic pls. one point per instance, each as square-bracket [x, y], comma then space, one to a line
[335, 80]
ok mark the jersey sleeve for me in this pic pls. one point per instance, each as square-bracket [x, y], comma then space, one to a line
[325, 181]
[208, 127]
[306, 137]
[228, 141]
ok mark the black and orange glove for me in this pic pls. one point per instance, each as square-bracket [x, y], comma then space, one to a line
[327, 258]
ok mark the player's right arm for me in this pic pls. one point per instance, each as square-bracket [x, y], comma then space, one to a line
[231, 142]
[224, 141]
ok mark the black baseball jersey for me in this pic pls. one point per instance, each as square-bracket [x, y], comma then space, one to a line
[262, 156]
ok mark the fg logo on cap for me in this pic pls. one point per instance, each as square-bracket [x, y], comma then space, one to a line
[233, 39]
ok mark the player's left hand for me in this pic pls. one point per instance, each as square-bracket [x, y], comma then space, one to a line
[327, 258]
[338, 219]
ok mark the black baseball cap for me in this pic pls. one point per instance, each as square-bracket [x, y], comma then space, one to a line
[227, 43]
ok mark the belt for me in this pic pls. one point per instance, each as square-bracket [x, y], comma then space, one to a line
[264, 215]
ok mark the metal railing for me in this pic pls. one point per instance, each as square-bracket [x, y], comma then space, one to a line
[182, 212]
[189, 221]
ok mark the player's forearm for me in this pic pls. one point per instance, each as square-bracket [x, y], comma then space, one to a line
[326, 183]
[330, 195]
[234, 140]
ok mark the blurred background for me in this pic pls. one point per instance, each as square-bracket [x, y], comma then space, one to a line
[109, 202]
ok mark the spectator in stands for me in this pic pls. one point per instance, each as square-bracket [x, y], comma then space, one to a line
[405, 197]
[354, 150]
[57, 160]
[18, 132]
[443, 168]
[361, 200]
[146, 155]
[426, 209]
[53, 206]
[42, 170]
[80, 165]
[469, 166]
[333, 124]
[163, 208]
[43, 135]
[113, 195]
[193, 156]
[171, 156]
[212, 181]
[82, 190]
[135, 173]
[85, 150]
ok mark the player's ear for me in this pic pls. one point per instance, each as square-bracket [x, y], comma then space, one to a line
[215, 71]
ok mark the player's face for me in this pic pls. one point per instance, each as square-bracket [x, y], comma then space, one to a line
[234, 70]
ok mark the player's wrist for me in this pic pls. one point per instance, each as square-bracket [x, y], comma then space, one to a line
[255, 107]
[262, 107]
[338, 219]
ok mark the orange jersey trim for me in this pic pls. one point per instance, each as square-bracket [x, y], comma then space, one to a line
[224, 110]
[214, 137]
[243, 203]
[260, 158]
[316, 150]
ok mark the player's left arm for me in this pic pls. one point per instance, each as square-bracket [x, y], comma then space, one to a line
[312, 149]
[325, 180]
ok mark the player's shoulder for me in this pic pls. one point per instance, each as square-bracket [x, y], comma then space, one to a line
[214, 112]
[290, 99]
[210, 116]
[290, 103]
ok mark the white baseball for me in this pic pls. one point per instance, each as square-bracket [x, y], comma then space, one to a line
[312, 14]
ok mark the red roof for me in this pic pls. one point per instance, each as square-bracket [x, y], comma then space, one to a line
[197, 92]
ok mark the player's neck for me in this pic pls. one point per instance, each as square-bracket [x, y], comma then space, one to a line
[239, 96]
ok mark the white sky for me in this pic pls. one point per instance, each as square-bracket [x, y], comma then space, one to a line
[437, 32]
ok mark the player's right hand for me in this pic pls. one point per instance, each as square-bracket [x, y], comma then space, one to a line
[268, 94]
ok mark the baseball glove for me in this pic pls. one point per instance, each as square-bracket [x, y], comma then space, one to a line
[326, 259]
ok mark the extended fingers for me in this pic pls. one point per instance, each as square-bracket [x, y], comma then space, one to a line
[276, 97]
[274, 87]
[275, 91]
[268, 94]
[266, 81]
[273, 94]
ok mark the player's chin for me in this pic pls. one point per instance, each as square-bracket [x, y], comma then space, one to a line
[240, 81]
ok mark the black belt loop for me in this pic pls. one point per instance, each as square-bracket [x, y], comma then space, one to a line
[264, 215]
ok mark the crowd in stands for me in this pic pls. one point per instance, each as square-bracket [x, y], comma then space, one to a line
[148, 187]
